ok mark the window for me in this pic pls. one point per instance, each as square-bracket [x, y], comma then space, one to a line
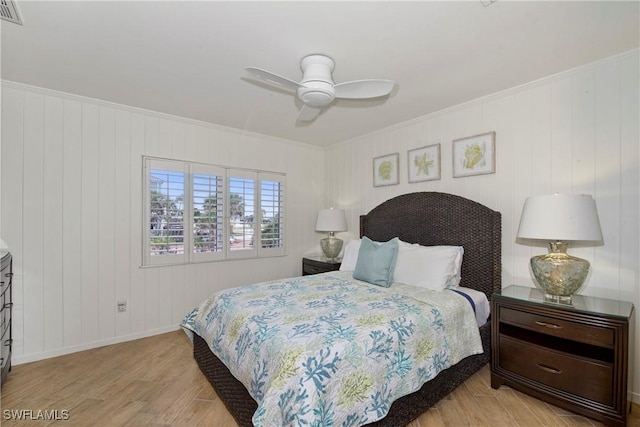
[196, 213]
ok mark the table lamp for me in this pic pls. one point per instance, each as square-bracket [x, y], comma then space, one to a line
[331, 220]
[558, 218]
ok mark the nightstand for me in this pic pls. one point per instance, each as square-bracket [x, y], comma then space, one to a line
[315, 264]
[572, 356]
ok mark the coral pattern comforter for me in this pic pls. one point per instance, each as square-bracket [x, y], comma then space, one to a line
[328, 350]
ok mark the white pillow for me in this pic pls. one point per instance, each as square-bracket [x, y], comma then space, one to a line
[431, 267]
[458, 264]
[350, 255]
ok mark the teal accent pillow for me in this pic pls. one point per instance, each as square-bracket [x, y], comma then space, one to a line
[376, 261]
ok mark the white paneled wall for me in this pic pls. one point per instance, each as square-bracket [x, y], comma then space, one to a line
[71, 214]
[576, 132]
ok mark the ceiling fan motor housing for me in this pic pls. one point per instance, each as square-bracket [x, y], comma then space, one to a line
[317, 85]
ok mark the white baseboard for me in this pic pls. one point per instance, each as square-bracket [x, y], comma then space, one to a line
[34, 357]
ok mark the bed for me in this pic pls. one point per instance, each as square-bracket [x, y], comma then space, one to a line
[427, 219]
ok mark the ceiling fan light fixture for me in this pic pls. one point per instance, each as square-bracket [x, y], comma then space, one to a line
[316, 94]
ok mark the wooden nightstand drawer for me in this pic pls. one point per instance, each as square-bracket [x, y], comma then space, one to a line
[565, 372]
[315, 265]
[588, 334]
[314, 269]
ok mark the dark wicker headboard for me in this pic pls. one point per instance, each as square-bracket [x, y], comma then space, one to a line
[430, 218]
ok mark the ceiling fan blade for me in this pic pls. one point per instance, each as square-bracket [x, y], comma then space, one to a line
[307, 113]
[272, 79]
[362, 89]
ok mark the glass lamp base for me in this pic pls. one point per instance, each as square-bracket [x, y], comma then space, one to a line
[560, 275]
[331, 247]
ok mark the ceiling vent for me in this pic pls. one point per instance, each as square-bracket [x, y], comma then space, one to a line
[9, 11]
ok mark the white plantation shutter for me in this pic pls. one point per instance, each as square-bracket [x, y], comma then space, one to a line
[241, 211]
[271, 214]
[207, 212]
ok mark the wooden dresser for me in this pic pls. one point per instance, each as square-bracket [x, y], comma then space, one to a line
[6, 304]
[572, 356]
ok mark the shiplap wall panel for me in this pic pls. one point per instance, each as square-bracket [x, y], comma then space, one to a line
[608, 186]
[90, 258]
[71, 223]
[52, 222]
[152, 297]
[561, 136]
[522, 163]
[583, 158]
[33, 212]
[541, 132]
[11, 183]
[164, 292]
[506, 141]
[106, 229]
[122, 218]
[574, 132]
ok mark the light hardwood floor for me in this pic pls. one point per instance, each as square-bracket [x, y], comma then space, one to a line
[155, 382]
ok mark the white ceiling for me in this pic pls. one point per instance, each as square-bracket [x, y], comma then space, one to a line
[188, 58]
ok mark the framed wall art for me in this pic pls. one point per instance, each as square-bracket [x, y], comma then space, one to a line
[474, 155]
[385, 170]
[423, 163]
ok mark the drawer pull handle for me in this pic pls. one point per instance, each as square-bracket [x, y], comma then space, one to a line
[549, 325]
[549, 369]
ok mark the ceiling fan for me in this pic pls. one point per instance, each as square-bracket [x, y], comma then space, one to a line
[317, 90]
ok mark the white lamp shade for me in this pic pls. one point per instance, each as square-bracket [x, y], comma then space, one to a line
[331, 220]
[562, 217]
